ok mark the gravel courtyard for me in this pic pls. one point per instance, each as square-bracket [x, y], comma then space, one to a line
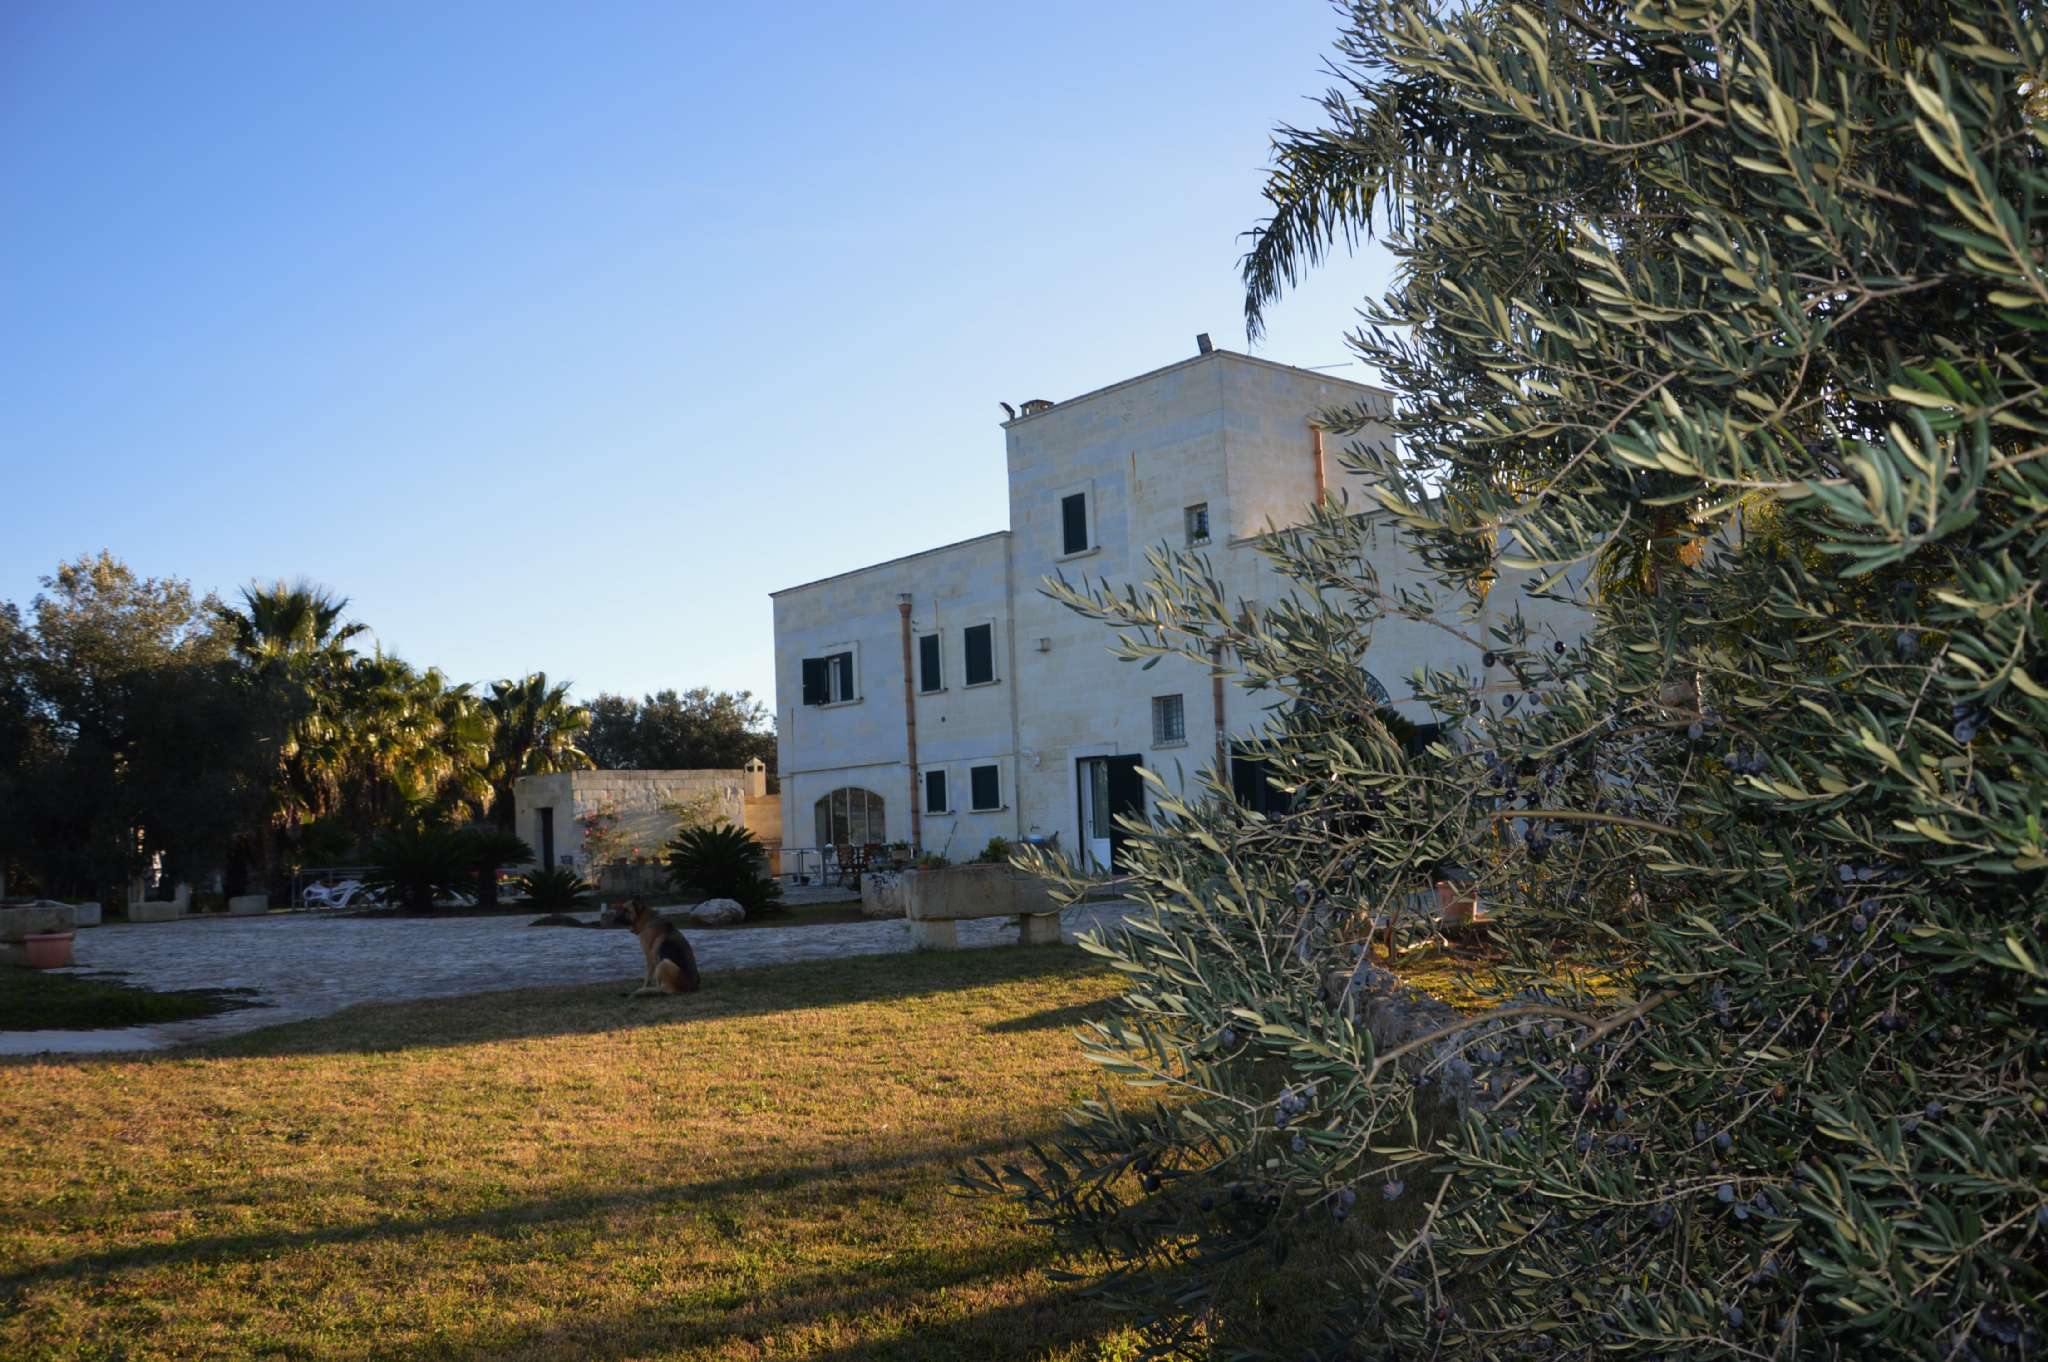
[303, 965]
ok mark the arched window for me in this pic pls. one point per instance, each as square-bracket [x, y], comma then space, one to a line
[851, 816]
[1376, 692]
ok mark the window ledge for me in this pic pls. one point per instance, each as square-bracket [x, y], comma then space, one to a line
[993, 808]
[1077, 553]
[1162, 746]
[935, 690]
[977, 685]
[837, 704]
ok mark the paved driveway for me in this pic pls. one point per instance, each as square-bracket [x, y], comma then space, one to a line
[309, 965]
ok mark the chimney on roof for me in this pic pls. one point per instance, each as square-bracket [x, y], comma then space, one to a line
[1203, 345]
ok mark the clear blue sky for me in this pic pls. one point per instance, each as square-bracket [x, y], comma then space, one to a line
[557, 336]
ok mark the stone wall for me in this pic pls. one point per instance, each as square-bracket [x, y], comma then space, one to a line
[639, 797]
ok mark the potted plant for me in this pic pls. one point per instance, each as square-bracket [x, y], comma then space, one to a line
[899, 854]
[46, 950]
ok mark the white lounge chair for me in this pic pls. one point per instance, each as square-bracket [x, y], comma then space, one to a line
[337, 895]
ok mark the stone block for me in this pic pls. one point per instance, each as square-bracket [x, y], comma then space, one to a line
[33, 919]
[249, 905]
[960, 891]
[934, 936]
[85, 915]
[881, 894]
[1038, 929]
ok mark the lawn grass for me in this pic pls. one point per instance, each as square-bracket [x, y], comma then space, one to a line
[760, 1171]
[36, 1000]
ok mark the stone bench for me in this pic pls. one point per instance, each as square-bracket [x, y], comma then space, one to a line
[936, 901]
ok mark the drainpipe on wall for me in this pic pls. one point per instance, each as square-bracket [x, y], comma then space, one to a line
[910, 730]
[1216, 694]
[1315, 439]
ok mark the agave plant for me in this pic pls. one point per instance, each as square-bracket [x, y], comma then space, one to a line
[554, 889]
[723, 862]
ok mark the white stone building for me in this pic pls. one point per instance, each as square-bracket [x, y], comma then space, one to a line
[549, 810]
[1016, 720]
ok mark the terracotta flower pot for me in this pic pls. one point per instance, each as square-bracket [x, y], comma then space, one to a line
[46, 950]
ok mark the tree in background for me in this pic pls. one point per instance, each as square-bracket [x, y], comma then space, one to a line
[293, 640]
[25, 744]
[536, 731]
[697, 729]
[139, 740]
[1737, 308]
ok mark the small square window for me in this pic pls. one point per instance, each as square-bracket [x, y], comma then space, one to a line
[985, 788]
[935, 793]
[1196, 518]
[1169, 720]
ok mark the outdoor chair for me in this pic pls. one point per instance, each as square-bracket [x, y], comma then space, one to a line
[337, 895]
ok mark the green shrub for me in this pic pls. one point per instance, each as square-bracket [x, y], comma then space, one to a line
[486, 851]
[553, 889]
[1728, 323]
[997, 852]
[723, 862]
[415, 864]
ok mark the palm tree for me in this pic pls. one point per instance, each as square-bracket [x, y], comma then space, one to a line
[288, 620]
[487, 850]
[537, 732]
[291, 634]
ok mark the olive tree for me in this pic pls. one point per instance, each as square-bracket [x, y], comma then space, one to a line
[1728, 320]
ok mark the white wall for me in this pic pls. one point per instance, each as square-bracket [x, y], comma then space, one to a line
[864, 743]
[638, 796]
[1223, 429]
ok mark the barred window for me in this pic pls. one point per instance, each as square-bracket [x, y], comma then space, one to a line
[1169, 720]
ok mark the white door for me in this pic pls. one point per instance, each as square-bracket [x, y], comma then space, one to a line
[1095, 823]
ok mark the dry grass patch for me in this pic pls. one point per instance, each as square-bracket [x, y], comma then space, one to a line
[757, 1172]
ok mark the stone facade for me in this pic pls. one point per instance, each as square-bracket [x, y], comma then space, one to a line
[547, 809]
[1059, 719]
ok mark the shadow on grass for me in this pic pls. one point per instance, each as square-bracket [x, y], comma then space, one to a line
[1052, 1320]
[598, 1208]
[1064, 1018]
[600, 1009]
[102, 1000]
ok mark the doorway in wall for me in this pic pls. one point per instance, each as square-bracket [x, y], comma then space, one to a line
[1109, 786]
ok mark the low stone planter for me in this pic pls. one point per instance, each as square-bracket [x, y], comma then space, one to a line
[936, 901]
[85, 915]
[249, 905]
[46, 950]
[881, 894]
[155, 910]
[24, 922]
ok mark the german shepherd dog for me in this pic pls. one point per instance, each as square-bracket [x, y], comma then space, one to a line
[671, 964]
